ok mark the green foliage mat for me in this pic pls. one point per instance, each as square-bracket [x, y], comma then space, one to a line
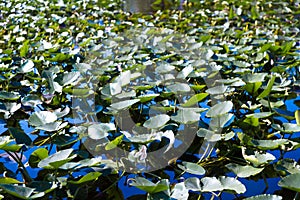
[239, 58]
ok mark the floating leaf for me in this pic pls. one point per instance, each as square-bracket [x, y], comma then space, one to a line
[211, 184]
[56, 160]
[37, 156]
[291, 182]
[149, 186]
[219, 109]
[192, 168]
[17, 191]
[40, 118]
[243, 171]
[232, 184]
[268, 89]
[99, 131]
[88, 177]
[186, 116]
[265, 197]
[124, 104]
[156, 121]
[9, 95]
[195, 99]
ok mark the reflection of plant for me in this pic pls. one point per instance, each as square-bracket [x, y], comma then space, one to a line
[46, 46]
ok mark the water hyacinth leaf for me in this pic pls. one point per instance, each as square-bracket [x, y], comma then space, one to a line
[9, 95]
[17, 191]
[219, 109]
[157, 121]
[243, 171]
[37, 156]
[192, 168]
[40, 118]
[56, 160]
[186, 116]
[265, 197]
[149, 186]
[287, 127]
[291, 182]
[195, 99]
[232, 184]
[99, 131]
[88, 177]
[124, 104]
[268, 89]
[211, 184]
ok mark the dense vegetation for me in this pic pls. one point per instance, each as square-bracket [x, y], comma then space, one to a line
[199, 103]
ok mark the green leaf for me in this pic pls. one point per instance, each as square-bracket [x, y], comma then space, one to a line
[88, 177]
[56, 160]
[17, 191]
[147, 97]
[268, 89]
[192, 168]
[8, 180]
[252, 87]
[37, 156]
[24, 49]
[243, 171]
[9, 95]
[157, 121]
[124, 104]
[114, 143]
[297, 116]
[195, 99]
[291, 182]
[149, 186]
[219, 109]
